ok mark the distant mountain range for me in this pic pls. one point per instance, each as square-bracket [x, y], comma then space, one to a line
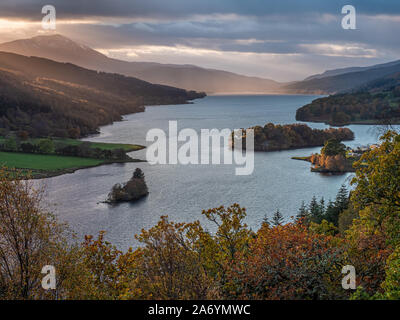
[336, 72]
[190, 77]
[62, 49]
[343, 81]
[44, 97]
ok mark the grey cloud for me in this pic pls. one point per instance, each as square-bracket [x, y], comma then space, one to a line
[279, 27]
[161, 9]
[277, 35]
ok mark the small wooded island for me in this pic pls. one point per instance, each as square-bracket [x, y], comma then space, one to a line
[130, 191]
[332, 159]
[278, 137]
[335, 158]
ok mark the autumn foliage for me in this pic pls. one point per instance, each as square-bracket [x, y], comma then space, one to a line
[225, 259]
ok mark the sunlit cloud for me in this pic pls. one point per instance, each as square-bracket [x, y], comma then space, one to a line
[337, 50]
[146, 51]
[9, 25]
[13, 29]
[253, 41]
[278, 66]
[139, 51]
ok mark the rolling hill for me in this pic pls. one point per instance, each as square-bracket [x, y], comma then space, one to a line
[44, 97]
[189, 77]
[335, 72]
[342, 82]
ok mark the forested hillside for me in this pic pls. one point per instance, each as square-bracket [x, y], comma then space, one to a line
[375, 102]
[43, 97]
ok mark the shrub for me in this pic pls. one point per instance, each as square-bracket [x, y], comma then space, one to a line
[11, 144]
[46, 146]
[28, 147]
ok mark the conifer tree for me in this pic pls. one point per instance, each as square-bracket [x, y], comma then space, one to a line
[334, 209]
[138, 174]
[277, 218]
[315, 210]
[322, 206]
[266, 220]
[342, 198]
[330, 212]
[302, 213]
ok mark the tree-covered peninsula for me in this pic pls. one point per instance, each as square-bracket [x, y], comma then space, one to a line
[375, 103]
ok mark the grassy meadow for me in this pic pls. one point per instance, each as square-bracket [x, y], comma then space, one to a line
[16, 160]
[47, 165]
[74, 142]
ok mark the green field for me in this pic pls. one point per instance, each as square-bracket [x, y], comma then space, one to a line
[100, 145]
[44, 162]
[48, 165]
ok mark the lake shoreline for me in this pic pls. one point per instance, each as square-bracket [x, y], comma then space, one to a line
[360, 122]
[44, 174]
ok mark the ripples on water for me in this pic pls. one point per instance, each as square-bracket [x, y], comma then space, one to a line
[181, 192]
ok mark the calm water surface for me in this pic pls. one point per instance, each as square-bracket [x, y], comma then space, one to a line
[181, 192]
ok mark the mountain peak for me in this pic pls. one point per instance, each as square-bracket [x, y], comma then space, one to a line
[54, 36]
[50, 39]
[55, 47]
[42, 40]
[59, 41]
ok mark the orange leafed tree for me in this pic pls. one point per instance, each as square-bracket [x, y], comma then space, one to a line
[290, 262]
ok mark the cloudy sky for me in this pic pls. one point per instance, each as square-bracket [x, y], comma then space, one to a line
[280, 39]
